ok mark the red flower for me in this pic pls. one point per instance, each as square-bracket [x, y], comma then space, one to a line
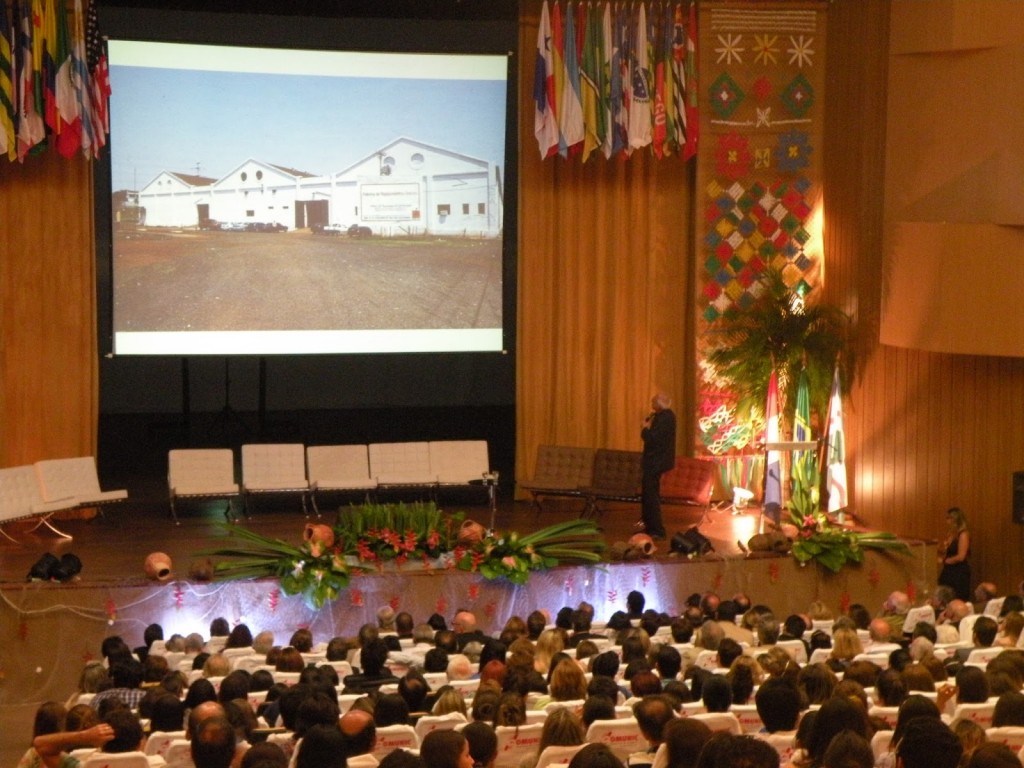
[433, 540]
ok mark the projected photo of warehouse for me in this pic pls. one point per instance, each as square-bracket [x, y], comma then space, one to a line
[270, 201]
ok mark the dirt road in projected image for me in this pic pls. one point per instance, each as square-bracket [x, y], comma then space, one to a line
[227, 281]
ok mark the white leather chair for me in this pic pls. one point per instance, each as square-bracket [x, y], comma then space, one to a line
[160, 741]
[516, 743]
[458, 462]
[178, 755]
[21, 498]
[274, 468]
[880, 743]
[402, 465]
[135, 759]
[393, 737]
[623, 737]
[720, 721]
[429, 723]
[1010, 735]
[337, 469]
[75, 478]
[201, 473]
[978, 713]
[750, 720]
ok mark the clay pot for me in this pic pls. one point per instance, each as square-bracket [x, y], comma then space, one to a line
[643, 544]
[201, 570]
[320, 538]
[618, 551]
[158, 566]
[471, 533]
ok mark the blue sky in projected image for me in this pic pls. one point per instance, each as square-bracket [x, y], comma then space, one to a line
[209, 122]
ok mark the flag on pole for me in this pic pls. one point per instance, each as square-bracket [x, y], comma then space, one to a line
[74, 98]
[8, 140]
[592, 82]
[692, 112]
[662, 86]
[620, 75]
[677, 107]
[802, 421]
[773, 458]
[838, 496]
[571, 108]
[545, 121]
[640, 102]
[31, 131]
[609, 67]
[99, 79]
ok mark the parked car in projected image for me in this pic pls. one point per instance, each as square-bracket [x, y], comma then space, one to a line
[354, 230]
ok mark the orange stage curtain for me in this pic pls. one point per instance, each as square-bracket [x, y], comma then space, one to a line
[605, 304]
[48, 357]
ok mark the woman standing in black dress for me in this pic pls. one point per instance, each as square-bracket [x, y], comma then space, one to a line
[956, 571]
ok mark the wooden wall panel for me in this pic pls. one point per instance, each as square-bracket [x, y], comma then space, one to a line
[48, 363]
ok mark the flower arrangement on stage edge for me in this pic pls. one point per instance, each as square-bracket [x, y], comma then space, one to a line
[817, 539]
[371, 537]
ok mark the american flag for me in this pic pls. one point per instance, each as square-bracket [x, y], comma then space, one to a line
[96, 56]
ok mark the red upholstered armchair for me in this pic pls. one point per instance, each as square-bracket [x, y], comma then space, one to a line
[690, 481]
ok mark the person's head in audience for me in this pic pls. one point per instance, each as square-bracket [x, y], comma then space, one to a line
[485, 702]
[290, 660]
[817, 682]
[168, 714]
[236, 685]
[563, 619]
[835, 716]
[1009, 710]
[711, 635]
[684, 738]
[94, 677]
[128, 733]
[741, 679]
[984, 632]
[219, 627]
[81, 717]
[635, 602]
[778, 705]
[728, 651]
[849, 750]
[918, 678]
[633, 648]
[400, 758]
[435, 660]
[459, 667]
[644, 684]
[213, 743]
[652, 713]
[681, 629]
[971, 736]
[390, 709]
[550, 643]
[535, 624]
[447, 749]
[729, 751]
[359, 731]
[586, 649]
[51, 717]
[193, 643]
[595, 756]
[819, 639]
[794, 626]
[992, 754]
[890, 688]
[316, 709]
[605, 664]
[449, 700]
[597, 708]
[618, 621]
[561, 729]
[200, 691]
[423, 634]
[446, 640]
[635, 667]
[239, 713]
[239, 637]
[114, 649]
[264, 755]
[854, 691]
[928, 743]
[971, 686]
[716, 693]
[510, 710]
[568, 682]
[126, 674]
[262, 642]
[373, 657]
[1009, 663]
[154, 668]
[413, 689]
[302, 640]
[323, 746]
[337, 649]
[216, 666]
[483, 743]
[600, 685]
[679, 692]
[803, 730]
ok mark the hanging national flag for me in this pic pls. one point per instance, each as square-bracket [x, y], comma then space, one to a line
[31, 130]
[592, 82]
[8, 140]
[570, 109]
[640, 82]
[802, 427]
[692, 97]
[609, 68]
[677, 107]
[659, 134]
[545, 121]
[73, 97]
[838, 496]
[773, 459]
[99, 79]
[619, 81]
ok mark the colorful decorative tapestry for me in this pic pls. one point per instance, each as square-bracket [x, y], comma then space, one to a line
[762, 111]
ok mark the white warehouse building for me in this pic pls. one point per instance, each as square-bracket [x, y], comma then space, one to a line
[405, 188]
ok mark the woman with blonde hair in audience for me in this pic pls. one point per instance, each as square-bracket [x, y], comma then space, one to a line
[561, 729]
[93, 679]
[817, 682]
[449, 700]
[845, 646]
[1009, 630]
[550, 643]
[971, 737]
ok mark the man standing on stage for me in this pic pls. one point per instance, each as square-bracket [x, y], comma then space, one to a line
[659, 456]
